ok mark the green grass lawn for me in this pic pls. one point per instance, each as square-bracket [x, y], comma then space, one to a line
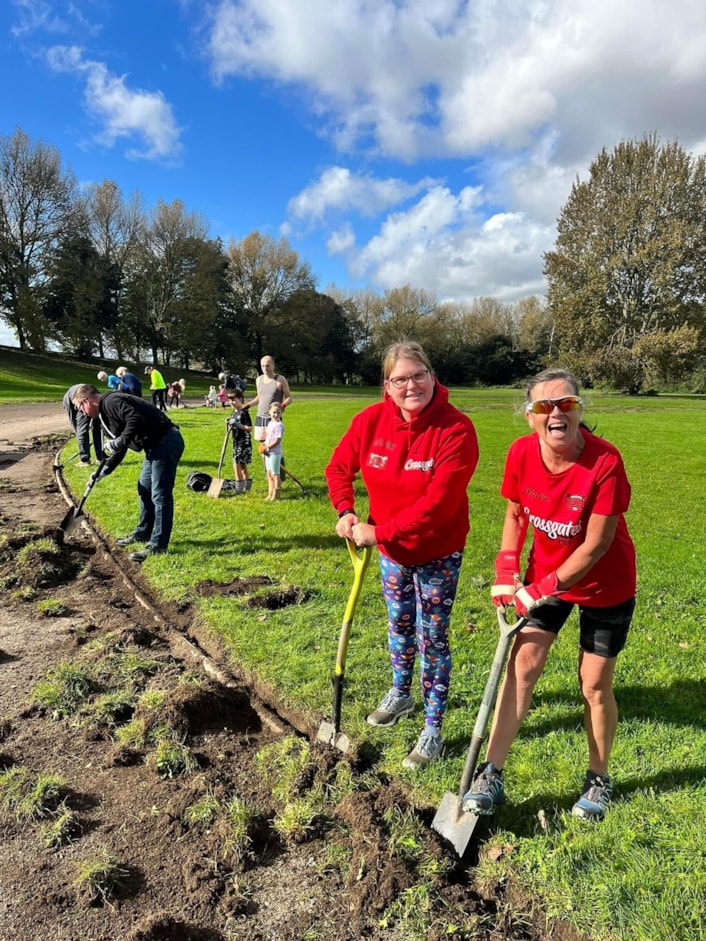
[641, 874]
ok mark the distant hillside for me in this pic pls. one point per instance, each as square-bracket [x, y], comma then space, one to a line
[32, 377]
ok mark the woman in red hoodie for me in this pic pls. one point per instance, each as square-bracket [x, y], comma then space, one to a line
[416, 453]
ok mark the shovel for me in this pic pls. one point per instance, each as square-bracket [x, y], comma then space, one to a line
[285, 472]
[216, 485]
[56, 466]
[73, 518]
[330, 731]
[451, 822]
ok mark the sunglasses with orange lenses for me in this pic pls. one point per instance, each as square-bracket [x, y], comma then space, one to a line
[567, 403]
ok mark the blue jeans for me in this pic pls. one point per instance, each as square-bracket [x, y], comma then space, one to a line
[155, 488]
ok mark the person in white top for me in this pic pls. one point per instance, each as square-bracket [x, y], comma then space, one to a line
[271, 448]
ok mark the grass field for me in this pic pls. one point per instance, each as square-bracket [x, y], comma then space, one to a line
[641, 874]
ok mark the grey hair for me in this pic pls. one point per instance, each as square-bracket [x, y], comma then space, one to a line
[552, 375]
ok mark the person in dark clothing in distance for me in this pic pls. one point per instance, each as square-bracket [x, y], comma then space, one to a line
[131, 423]
[128, 382]
[84, 428]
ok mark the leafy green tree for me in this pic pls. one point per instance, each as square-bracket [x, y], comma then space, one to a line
[201, 297]
[77, 296]
[318, 345]
[37, 203]
[158, 269]
[630, 254]
[669, 356]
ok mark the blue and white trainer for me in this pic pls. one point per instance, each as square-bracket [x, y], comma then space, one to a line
[486, 792]
[597, 794]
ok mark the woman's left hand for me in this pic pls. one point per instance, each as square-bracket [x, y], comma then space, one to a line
[364, 534]
[529, 597]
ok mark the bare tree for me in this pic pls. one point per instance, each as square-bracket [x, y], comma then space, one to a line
[114, 226]
[37, 205]
[263, 274]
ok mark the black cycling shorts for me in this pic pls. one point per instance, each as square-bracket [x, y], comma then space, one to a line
[602, 631]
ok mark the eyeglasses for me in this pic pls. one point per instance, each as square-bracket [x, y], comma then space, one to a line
[399, 382]
[567, 403]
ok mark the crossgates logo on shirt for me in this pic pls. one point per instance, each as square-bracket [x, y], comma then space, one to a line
[552, 528]
[419, 465]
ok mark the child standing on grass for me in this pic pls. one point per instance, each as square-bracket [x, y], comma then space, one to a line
[240, 425]
[271, 447]
[211, 398]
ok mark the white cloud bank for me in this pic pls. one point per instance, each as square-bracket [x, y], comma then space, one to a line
[120, 111]
[525, 91]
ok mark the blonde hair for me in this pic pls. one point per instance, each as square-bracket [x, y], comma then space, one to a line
[120, 371]
[406, 349]
[103, 376]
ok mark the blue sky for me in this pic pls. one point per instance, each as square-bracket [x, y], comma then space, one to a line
[426, 142]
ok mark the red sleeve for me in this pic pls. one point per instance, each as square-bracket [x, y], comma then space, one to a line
[341, 470]
[510, 488]
[612, 488]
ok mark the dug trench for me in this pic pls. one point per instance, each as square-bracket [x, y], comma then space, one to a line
[147, 792]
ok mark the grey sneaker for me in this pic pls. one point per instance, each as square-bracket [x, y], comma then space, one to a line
[597, 794]
[145, 553]
[394, 706]
[428, 749]
[127, 540]
[486, 792]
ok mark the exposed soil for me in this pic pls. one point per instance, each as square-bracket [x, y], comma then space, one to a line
[164, 825]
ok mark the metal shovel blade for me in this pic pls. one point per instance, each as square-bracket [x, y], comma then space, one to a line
[328, 735]
[72, 521]
[453, 824]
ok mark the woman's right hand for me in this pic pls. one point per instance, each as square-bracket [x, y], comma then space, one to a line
[344, 526]
[507, 578]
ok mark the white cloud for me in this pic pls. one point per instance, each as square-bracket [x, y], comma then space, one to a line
[449, 78]
[443, 245]
[338, 189]
[523, 92]
[342, 241]
[123, 112]
[41, 16]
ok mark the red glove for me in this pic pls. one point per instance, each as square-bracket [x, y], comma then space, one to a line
[507, 570]
[532, 596]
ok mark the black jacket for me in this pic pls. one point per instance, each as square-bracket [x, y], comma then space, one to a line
[131, 423]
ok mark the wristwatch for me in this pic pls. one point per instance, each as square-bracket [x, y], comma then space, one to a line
[346, 512]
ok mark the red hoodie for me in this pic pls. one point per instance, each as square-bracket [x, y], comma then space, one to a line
[416, 473]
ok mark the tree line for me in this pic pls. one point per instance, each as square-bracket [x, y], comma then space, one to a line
[95, 273]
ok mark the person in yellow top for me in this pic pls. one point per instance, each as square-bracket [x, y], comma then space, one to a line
[157, 387]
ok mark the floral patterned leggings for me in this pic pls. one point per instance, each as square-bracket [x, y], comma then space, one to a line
[419, 600]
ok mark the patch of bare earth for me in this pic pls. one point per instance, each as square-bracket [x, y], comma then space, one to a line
[180, 877]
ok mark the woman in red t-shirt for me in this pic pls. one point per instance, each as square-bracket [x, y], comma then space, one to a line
[570, 487]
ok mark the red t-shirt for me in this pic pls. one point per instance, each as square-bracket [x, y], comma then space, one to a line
[558, 506]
